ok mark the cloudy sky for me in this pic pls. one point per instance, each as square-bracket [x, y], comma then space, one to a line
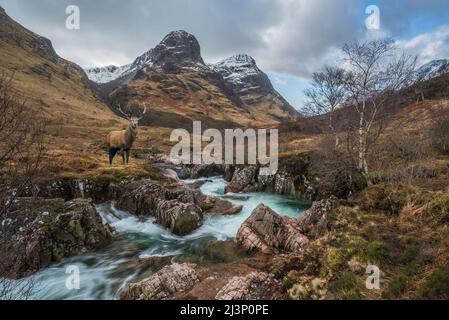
[289, 39]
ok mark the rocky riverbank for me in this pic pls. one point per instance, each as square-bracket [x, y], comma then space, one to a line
[39, 232]
[296, 177]
[264, 235]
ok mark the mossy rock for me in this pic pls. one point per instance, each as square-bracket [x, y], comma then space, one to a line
[294, 163]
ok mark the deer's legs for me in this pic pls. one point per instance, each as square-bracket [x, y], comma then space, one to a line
[112, 153]
[126, 153]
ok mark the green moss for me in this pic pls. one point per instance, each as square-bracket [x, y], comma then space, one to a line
[346, 287]
[436, 287]
[400, 282]
[377, 251]
[336, 257]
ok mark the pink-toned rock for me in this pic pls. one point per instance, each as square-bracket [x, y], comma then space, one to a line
[242, 179]
[268, 232]
[315, 222]
[233, 211]
[254, 286]
[163, 284]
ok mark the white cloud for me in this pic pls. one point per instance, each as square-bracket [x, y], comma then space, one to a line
[429, 46]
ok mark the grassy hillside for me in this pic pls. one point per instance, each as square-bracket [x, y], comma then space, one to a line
[59, 91]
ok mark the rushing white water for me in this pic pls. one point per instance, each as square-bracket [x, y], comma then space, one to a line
[105, 272]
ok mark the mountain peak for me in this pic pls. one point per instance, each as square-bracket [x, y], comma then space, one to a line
[177, 35]
[241, 58]
[242, 72]
[178, 47]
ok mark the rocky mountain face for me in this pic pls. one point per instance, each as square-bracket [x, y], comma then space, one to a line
[178, 48]
[242, 73]
[174, 81]
[432, 70]
[254, 87]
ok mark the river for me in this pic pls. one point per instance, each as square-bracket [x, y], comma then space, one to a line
[103, 273]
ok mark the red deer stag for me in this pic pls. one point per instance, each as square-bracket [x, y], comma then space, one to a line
[123, 140]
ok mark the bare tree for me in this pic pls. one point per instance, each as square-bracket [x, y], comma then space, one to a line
[326, 94]
[21, 153]
[376, 71]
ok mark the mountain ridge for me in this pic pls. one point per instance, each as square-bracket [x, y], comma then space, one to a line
[432, 69]
[173, 78]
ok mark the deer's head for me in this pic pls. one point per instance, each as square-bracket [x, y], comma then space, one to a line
[133, 120]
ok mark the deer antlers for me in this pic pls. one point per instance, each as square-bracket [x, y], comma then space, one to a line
[128, 115]
[144, 110]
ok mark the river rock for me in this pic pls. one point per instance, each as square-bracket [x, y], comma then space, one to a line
[38, 232]
[243, 180]
[200, 171]
[254, 286]
[163, 284]
[268, 232]
[222, 207]
[314, 223]
[180, 210]
[248, 179]
[233, 211]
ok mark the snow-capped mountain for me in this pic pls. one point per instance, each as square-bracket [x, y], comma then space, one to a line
[173, 78]
[432, 70]
[106, 74]
[178, 47]
[242, 73]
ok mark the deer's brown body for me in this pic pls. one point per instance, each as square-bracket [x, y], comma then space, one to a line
[123, 140]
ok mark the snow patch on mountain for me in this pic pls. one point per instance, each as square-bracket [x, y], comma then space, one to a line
[178, 47]
[237, 68]
[105, 74]
[432, 70]
[110, 73]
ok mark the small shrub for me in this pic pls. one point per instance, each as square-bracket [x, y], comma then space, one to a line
[400, 282]
[346, 287]
[436, 287]
[387, 198]
[439, 209]
[377, 251]
[335, 258]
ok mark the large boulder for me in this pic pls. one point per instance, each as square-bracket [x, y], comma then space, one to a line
[268, 232]
[249, 179]
[37, 232]
[163, 284]
[314, 223]
[180, 209]
[254, 286]
[243, 179]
